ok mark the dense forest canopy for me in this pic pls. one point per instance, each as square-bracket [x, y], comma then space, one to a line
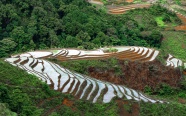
[41, 24]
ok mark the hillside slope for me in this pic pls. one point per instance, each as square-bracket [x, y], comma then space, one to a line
[26, 95]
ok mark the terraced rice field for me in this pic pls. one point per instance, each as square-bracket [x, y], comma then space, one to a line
[99, 2]
[132, 53]
[82, 86]
[173, 62]
[123, 9]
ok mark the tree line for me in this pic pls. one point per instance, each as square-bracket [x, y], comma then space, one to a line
[40, 24]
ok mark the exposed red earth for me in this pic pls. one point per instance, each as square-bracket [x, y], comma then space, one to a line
[184, 72]
[129, 1]
[183, 19]
[68, 102]
[127, 108]
[183, 26]
[138, 75]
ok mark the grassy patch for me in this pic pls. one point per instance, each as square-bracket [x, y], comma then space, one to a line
[4, 111]
[175, 44]
[81, 66]
[160, 22]
[172, 109]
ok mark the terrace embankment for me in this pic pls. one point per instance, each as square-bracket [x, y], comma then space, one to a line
[138, 75]
[183, 26]
[123, 9]
[99, 2]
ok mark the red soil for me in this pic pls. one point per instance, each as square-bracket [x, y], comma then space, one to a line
[137, 75]
[183, 19]
[184, 72]
[67, 102]
[133, 110]
[129, 1]
[180, 100]
[181, 27]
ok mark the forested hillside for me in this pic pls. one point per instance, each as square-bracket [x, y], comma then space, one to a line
[41, 24]
[139, 54]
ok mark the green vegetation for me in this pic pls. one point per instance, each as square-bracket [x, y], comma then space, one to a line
[172, 109]
[81, 66]
[110, 49]
[26, 95]
[174, 43]
[160, 22]
[4, 111]
[42, 24]
[175, 96]
[181, 11]
[178, 2]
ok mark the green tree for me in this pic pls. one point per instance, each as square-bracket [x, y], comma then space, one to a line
[7, 46]
[70, 41]
[54, 41]
[20, 36]
[155, 38]
[83, 37]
